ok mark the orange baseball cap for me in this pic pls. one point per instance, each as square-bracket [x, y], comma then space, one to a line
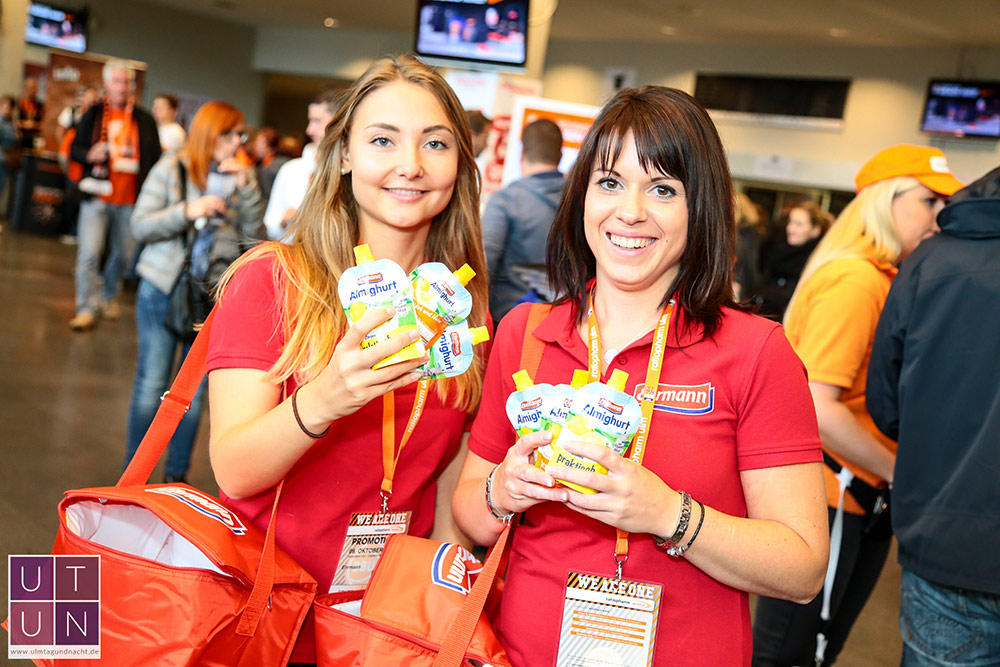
[927, 165]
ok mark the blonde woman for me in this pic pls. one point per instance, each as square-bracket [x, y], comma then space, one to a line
[831, 322]
[293, 395]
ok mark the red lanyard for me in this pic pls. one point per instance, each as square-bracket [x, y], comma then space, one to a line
[390, 455]
[638, 450]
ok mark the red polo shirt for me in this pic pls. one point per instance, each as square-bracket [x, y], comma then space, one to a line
[342, 472]
[739, 401]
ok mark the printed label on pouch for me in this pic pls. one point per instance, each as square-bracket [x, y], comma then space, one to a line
[607, 621]
[363, 545]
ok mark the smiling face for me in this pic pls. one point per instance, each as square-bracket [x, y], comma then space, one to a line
[800, 229]
[914, 213]
[636, 224]
[402, 156]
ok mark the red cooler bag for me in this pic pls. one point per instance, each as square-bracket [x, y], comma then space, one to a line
[184, 580]
[423, 607]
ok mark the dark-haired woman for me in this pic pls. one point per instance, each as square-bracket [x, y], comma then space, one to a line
[721, 494]
[784, 258]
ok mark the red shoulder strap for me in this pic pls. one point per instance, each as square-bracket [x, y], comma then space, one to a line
[173, 406]
[533, 347]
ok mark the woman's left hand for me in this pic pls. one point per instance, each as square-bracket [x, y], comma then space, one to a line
[629, 497]
[239, 170]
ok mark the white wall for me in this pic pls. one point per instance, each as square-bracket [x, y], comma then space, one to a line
[186, 53]
[883, 106]
[318, 51]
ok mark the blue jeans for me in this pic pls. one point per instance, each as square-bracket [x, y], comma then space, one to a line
[944, 626]
[153, 373]
[100, 221]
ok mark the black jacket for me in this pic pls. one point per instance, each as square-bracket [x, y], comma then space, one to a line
[934, 385]
[88, 133]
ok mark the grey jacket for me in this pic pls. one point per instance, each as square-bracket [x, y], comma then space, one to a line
[516, 226]
[159, 220]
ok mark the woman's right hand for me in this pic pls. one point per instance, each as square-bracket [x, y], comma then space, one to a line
[518, 483]
[348, 382]
[207, 206]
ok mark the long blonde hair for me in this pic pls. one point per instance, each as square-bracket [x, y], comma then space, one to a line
[326, 230]
[865, 228]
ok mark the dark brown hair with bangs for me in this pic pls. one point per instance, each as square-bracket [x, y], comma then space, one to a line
[674, 136]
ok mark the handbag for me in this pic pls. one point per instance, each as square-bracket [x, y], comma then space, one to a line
[423, 607]
[189, 300]
[184, 580]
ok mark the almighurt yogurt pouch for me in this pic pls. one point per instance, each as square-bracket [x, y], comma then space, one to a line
[557, 407]
[440, 298]
[525, 405]
[380, 283]
[601, 414]
[452, 353]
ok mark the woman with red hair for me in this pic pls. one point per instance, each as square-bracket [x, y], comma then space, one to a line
[190, 203]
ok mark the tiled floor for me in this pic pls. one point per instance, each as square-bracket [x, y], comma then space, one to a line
[63, 403]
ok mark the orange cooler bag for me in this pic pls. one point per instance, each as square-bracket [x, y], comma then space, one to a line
[184, 580]
[423, 607]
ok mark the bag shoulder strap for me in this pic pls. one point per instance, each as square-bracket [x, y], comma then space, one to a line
[532, 348]
[182, 172]
[457, 641]
[182, 178]
[173, 406]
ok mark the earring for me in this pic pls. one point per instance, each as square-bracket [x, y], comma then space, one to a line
[342, 171]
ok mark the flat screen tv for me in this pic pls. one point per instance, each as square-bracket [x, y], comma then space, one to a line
[958, 108]
[491, 32]
[48, 25]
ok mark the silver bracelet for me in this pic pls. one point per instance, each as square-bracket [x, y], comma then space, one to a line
[494, 510]
[682, 525]
[679, 550]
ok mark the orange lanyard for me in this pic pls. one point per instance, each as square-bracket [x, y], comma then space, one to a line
[390, 455]
[638, 450]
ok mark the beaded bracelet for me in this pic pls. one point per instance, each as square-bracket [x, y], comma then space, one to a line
[679, 550]
[298, 419]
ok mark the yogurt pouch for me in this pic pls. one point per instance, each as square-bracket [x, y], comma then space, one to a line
[557, 407]
[440, 298]
[525, 405]
[380, 283]
[452, 353]
[601, 414]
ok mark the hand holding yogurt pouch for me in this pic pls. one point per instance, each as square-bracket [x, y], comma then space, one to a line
[557, 407]
[380, 283]
[601, 414]
[452, 353]
[440, 298]
[524, 405]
